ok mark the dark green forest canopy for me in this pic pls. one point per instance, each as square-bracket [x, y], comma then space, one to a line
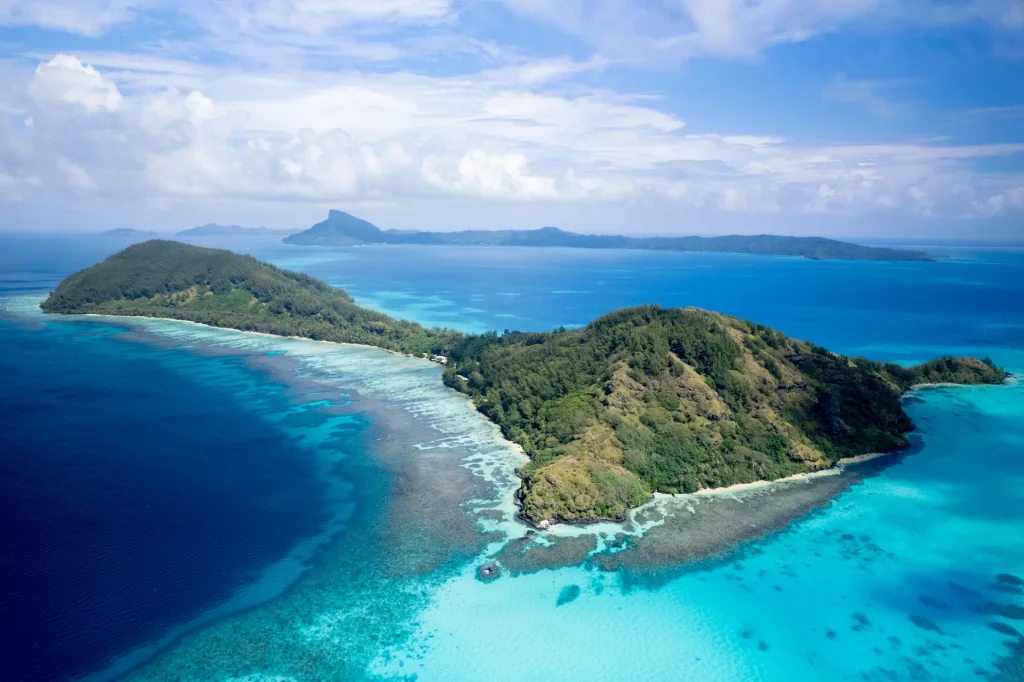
[641, 400]
[224, 289]
[675, 400]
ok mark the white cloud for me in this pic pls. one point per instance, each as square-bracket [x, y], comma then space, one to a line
[85, 17]
[94, 17]
[394, 137]
[1010, 200]
[65, 79]
[670, 30]
[76, 176]
[503, 176]
[508, 176]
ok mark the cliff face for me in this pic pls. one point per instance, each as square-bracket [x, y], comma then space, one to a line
[645, 400]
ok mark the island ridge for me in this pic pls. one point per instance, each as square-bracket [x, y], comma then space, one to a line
[343, 229]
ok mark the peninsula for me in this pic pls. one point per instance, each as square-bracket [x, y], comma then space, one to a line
[343, 229]
[641, 400]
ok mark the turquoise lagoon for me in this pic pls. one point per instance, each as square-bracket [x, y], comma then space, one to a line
[912, 573]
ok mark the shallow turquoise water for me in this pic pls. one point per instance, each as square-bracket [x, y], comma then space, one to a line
[896, 580]
[892, 581]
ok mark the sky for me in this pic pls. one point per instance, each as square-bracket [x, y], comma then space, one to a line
[841, 118]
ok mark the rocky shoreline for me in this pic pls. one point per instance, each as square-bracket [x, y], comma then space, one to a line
[673, 533]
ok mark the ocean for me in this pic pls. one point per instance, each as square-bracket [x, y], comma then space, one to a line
[188, 503]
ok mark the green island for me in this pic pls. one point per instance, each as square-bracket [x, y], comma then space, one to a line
[641, 400]
[344, 229]
[171, 279]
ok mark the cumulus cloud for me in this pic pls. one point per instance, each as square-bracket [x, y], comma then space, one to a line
[398, 136]
[1010, 200]
[66, 80]
[505, 176]
[129, 126]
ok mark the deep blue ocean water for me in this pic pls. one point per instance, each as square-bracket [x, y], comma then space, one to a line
[140, 486]
[972, 298]
[126, 523]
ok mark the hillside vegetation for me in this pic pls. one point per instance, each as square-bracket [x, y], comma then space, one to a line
[675, 400]
[220, 288]
[641, 400]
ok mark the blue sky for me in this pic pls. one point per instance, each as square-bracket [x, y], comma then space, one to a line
[844, 118]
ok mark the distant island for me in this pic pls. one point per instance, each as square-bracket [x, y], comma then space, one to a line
[215, 230]
[343, 229]
[641, 400]
[129, 232]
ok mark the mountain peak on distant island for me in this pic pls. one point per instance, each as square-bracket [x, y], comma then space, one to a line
[344, 229]
[347, 225]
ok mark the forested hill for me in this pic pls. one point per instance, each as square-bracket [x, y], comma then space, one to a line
[676, 400]
[169, 279]
[343, 229]
[641, 400]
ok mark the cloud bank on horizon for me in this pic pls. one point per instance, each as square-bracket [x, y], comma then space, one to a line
[849, 117]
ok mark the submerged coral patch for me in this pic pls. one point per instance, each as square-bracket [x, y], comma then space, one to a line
[569, 594]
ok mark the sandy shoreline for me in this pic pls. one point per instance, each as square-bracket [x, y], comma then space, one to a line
[240, 331]
[833, 470]
[553, 530]
[440, 469]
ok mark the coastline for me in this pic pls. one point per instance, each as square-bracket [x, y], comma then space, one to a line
[444, 497]
[833, 470]
[548, 525]
[616, 543]
[584, 527]
[632, 540]
[57, 316]
[1010, 377]
[663, 548]
[514, 445]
